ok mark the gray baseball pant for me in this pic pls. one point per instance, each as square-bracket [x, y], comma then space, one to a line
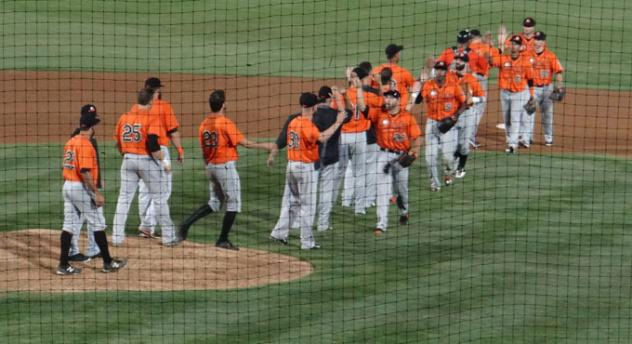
[480, 107]
[299, 192]
[224, 186]
[327, 182]
[146, 208]
[541, 96]
[396, 177]
[517, 121]
[444, 144]
[353, 148]
[78, 208]
[135, 168]
[465, 126]
[372, 171]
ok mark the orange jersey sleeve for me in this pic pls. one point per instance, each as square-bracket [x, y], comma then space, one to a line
[219, 137]
[302, 140]
[164, 111]
[358, 122]
[484, 52]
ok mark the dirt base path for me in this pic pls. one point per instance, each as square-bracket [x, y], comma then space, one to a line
[28, 260]
[43, 107]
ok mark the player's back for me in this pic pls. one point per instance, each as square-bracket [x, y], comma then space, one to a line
[219, 137]
[134, 127]
[79, 153]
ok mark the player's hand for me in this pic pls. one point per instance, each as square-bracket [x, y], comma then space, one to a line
[270, 161]
[487, 38]
[409, 107]
[99, 200]
[180, 154]
[348, 73]
[167, 167]
[502, 36]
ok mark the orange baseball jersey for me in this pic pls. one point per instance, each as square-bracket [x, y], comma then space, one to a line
[394, 132]
[358, 122]
[403, 78]
[448, 54]
[468, 82]
[219, 138]
[167, 118]
[79, 154]
[528, 44]
[134, 127]
[302, 140]
[375, 99]
[484, 50]
[514, 73]
[442, 101]
[545, 65]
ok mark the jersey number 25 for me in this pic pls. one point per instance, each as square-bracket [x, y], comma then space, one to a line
[131, 133]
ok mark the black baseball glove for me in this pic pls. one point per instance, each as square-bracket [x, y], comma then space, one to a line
[558, 94]
[402, 161]
[446, 124]
[529, 107]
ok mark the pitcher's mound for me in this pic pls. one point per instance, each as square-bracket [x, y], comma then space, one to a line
[28, 260]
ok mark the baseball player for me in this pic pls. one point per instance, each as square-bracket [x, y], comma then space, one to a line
[164, 112]
[546, 65]
[83, 202]
[444, 100]
[483, 47]
[301, 175]
[219, 138]
[137, 134]
[515, 80]
[401, 79]
[397, 133]
[466, 122]
[462, 46]
[526, 36]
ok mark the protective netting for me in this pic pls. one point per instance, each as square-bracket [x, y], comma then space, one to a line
[506, 228]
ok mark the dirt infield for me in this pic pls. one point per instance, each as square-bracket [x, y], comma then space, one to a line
[42, 107]
[28, 260]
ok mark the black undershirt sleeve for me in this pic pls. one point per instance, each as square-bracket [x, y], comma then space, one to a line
[152, 143]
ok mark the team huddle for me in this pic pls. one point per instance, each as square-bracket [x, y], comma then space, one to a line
[356, 141]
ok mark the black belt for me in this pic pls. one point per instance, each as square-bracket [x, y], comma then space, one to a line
[542, 85]
[481, 75]
[390, 151]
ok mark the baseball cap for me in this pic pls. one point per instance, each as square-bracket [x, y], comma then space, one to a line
[539, 36]
[462, 56]
[440, 65]
[360, 72]
[89, 117]
[324, 92]
[475, 33]
[393, 49]
[153, 82]
[516, 39]
[308, 99]
[528, 22]
[392, 93]
[463, 36]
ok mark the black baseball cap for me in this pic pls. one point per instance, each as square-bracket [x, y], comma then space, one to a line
[475, 33]
[153, 83]
[392, 93]
[361, 72]
[462, 56]
[89, 117]
[463, 36]
[516, 39]
[440, 65]
[393, 49]
[528, 22]
[324, 93]
[539, 36]
[308, 99]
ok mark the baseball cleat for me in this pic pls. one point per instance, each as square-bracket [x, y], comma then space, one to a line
[548, 143]
[362, 212]
[67, 270]
[279, 240]
[79, 258]
[448, 180]
[378, 232]
[172, 243]
[510, 150]
[324, 229]
[146, 233]
[475, 144]
[227, 245]
[524, 144]
[403, 219]
[313, 247]
[114, 266]
[460, 174]
[435, 188]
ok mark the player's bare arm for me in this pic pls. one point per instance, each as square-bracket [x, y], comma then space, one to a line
[273, 153]
[176, 140]
[255, 145]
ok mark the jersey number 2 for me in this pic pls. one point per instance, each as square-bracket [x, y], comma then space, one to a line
[131, 133]
[294, 141]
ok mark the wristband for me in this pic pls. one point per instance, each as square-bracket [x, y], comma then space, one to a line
[180, 151]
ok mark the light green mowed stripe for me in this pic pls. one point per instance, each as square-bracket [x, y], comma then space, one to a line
[521, 250]
[308, 39]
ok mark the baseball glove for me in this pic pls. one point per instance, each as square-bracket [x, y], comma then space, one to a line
[406, 159]
[399, 163]
[446, 124]
[558, 94]
[529, 107]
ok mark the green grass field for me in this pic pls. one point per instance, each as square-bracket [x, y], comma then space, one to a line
[527, 249]
[522, 250]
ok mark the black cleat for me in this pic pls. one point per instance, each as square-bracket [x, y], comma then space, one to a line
[227, 245]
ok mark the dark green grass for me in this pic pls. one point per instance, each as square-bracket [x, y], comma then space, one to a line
[528, 248]
[314, 39]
